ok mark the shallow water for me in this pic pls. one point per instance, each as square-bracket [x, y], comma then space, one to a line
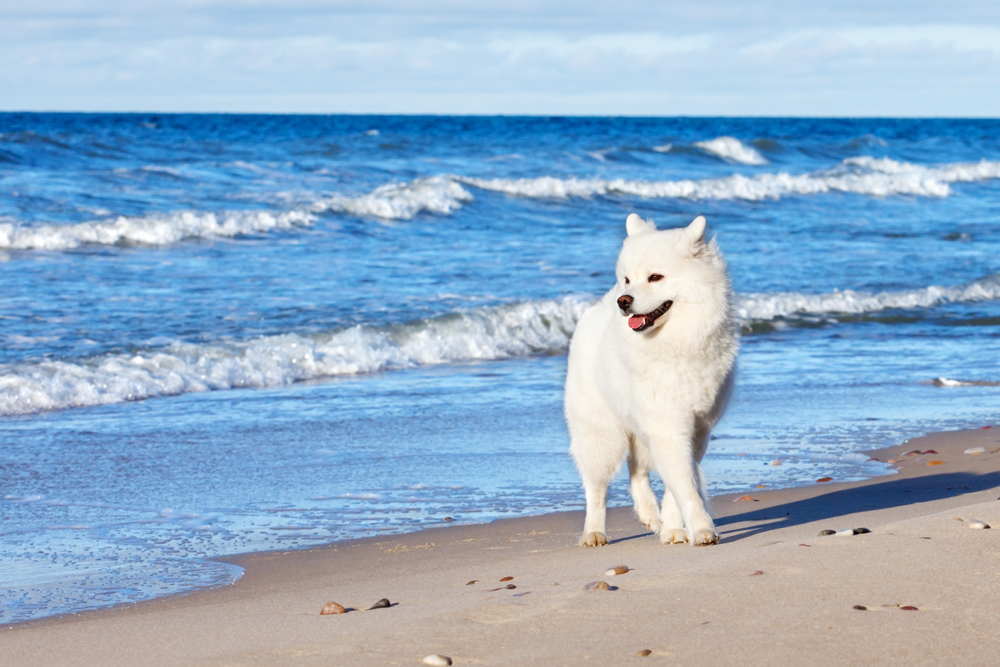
[234, 333]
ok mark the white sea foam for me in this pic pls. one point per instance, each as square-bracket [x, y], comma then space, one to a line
[439, 194]
[483, 334]
[731, 148]
[880, 177]
[499, 332]
[156, 229]
[766, 307]
[446, 194]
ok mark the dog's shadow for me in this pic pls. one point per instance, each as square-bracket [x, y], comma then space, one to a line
[878, 496]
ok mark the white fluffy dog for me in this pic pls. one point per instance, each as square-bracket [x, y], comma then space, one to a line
[651, 367]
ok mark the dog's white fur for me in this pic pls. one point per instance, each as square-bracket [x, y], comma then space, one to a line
[653, 396]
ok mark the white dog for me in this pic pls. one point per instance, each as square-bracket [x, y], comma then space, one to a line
[651, 367]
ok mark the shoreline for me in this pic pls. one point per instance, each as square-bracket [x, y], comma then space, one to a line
[426, 571]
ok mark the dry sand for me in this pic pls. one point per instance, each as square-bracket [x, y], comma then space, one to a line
[685, 605]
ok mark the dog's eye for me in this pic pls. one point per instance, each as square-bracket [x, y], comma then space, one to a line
[626, 281]
[655, 277]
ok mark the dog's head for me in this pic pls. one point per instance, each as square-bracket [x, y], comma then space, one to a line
[660, 271]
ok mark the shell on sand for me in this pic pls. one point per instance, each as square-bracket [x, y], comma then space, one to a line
[435, 660]
[332, 608]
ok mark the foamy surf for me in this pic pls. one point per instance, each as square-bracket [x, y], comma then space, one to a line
[751, 308]
[878, 177]
[152, 230]
[732, 150]
[439, 194]
[486, 334]
[483, 334]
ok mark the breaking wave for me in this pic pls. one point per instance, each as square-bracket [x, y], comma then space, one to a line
[731, 148]
[484, 334]
[439, 194]
[751, 308]
[156, 229]
[392, 202]
[879, 177]
[489, 333]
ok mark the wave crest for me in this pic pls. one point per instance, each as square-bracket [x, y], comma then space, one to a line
[768, 307]
[155, 230]
[732, 149]
[880, 177]
[484, 334]
[439, 194]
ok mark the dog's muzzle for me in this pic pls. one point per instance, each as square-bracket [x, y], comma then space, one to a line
[640, 323]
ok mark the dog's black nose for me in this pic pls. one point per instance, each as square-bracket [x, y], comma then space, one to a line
[624, 301]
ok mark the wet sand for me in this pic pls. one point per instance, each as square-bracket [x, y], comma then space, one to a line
[772, 592]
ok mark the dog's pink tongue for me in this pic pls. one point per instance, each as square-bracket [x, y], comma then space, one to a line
[636, 321]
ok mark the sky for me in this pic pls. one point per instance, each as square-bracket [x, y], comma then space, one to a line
[712, 58]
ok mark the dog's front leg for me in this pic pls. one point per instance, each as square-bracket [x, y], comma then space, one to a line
[682, 500]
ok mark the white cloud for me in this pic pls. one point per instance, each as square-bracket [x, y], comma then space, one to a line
[919, 38]
[728, 57]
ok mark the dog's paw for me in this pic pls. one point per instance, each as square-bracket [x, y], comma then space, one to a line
[704, 537]
[673, 536]
[594, 540]
[653, 524]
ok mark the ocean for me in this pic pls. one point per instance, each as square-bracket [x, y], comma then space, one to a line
[234, 333]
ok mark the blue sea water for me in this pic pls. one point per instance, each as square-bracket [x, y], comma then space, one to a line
[232, 333]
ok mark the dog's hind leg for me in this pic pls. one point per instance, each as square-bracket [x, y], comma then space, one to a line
[598, 454]
[643, 498]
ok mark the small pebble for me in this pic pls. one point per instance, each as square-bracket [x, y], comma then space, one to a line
[507, 579]
[448, 518]
[913, 452]
[824, 533]
[805, 545]
[436, 660]
[861, 531]
[381, 604]
[644, 652]
[332, 608]
[824, 479]
[510, 586]
[909, 608]
[935, 463]
[761, 486]
[977, 525]
[517, 595]
[975, 450]
[756, 574]
[776, 462]
[872, 459]
[860, 607]
[616, 570]
[597, 586]
[891, 461]
[929, 451]
[474, 581]
[844, 532]
[745, 498]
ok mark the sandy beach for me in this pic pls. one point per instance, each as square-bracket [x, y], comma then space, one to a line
[772, 592]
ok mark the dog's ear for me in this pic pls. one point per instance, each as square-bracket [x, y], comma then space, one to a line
[694, 234]
[636, 225]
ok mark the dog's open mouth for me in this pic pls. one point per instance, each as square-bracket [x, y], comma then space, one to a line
[643, 322]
